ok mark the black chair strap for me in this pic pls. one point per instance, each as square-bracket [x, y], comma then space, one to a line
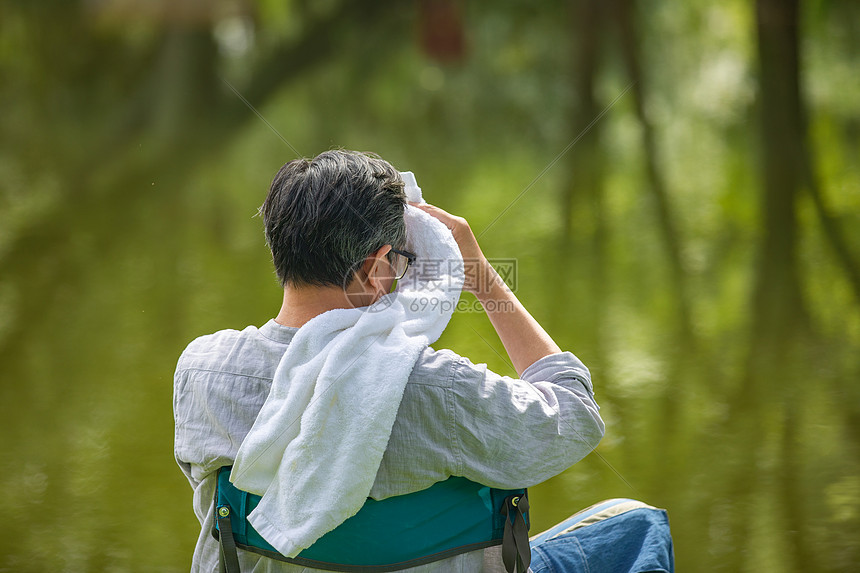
[228, 559]
[516, 552]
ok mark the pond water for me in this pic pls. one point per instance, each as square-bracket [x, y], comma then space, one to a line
[757, 465]
[727, 365]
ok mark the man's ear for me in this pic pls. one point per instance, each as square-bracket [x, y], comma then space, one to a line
[376, 267]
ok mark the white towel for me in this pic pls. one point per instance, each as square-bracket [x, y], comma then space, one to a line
[316, 446]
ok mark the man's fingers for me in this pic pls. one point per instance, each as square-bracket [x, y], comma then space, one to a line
[459, 227]
[426, 207]
[434, 211]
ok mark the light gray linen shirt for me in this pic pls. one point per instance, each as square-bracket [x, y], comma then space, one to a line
[456, 419]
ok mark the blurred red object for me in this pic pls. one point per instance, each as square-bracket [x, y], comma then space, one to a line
[441, 28]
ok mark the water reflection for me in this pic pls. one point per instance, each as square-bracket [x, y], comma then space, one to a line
[138, 235]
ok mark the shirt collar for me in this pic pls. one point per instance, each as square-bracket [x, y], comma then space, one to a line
[278, 332]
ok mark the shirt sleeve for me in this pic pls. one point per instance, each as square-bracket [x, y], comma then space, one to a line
[513, 432]
[212, 413]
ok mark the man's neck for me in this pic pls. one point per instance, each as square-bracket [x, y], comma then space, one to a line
[304, 303]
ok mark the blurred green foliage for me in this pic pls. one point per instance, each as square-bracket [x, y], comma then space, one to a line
[131, 171]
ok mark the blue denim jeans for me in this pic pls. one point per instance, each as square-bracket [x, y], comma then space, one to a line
[615, 536]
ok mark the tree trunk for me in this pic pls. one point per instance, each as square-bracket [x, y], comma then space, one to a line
[630, 48]
[582, 198]
[778, 308]
[777, 301]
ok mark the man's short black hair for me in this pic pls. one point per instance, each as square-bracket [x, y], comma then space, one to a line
[324, 216]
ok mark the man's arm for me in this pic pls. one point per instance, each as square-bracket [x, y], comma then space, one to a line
[519, 432]
[524, 339]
